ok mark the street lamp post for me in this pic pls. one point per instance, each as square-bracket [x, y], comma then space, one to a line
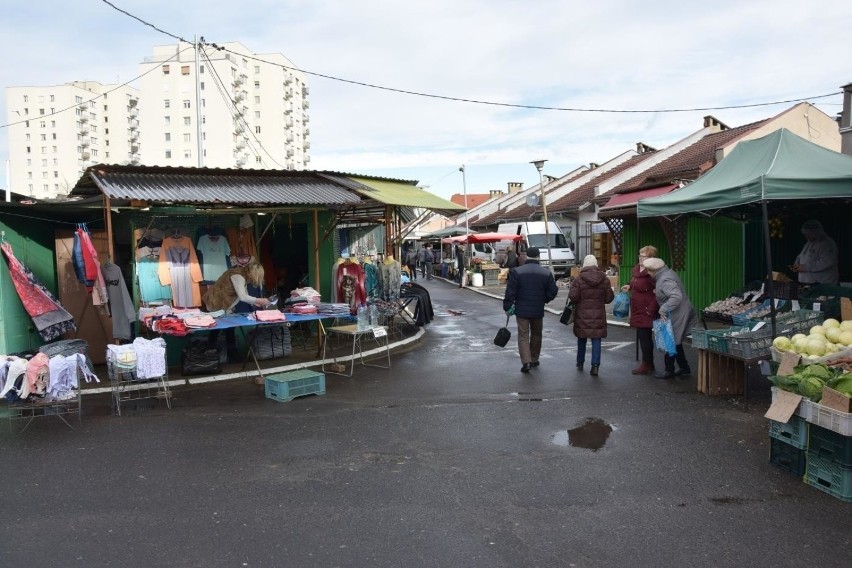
[539, 165]
[464, 186]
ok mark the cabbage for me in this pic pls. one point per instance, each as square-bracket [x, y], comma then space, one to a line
[811, 387]
[819, 371]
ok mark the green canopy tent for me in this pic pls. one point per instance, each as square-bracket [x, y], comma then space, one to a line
[779, 166]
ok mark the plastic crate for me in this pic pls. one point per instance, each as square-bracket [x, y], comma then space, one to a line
[284, 387]
[751, 345]
[828, 418]
[787, 457]
[718, 340]
[830, 445]
[828, 476]
[794, 432]
[700, 338]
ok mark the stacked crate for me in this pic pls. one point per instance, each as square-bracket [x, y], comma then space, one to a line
[788, 445]
[829, 462]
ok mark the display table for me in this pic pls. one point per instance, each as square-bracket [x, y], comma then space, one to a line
[358, 337]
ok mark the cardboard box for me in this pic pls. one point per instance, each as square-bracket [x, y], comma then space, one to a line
[780, 277]
[835, 400]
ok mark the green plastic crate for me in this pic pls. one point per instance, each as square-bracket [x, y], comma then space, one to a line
[829, 476]
[794, 432]
[284, 387]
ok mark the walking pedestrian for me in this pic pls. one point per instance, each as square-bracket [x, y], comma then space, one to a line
[528, 289]
[411, 261]
[643, 309]
[674, 305]
[429, 258]
[590, 292]
[421, 259]
[460, 264]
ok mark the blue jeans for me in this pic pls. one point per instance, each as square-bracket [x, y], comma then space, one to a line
[596, 350]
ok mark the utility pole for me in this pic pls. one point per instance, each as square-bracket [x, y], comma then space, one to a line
[198, 130]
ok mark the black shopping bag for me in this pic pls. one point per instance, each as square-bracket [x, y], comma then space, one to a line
[503, 335]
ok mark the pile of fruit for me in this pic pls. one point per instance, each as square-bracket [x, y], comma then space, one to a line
[830, 337]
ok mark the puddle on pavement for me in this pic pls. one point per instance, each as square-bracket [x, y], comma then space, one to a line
[591, 435]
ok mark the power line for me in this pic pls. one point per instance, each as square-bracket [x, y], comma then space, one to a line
[528, 107]
[104, 94]
[482, 102]
[150, 25]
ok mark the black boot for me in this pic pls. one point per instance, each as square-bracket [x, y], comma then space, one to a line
[594, 371]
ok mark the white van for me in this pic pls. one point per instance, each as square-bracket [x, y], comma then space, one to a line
[535, 236]
[483, 251]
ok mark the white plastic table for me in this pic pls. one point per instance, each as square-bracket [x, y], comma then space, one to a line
[358, 336]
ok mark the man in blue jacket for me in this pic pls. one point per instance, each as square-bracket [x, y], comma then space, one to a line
[529, 288]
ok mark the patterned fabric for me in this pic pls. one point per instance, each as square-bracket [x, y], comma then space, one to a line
[49, 317]
[390, 278]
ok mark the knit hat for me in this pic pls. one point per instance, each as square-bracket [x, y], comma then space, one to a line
[590, 260]
[653, 263]
[533, 252]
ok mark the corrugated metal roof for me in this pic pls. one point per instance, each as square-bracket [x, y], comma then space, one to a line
[206, 185]
[399, 193]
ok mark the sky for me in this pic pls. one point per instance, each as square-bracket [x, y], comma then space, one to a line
[614, 55]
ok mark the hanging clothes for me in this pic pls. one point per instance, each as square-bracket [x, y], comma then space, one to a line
[350, 284]
[390, 278]
[148, 280]
[49, 317]
[179, 268]
[120, 304]
[242, 242]
[371, 280]
[92, 267]
[215, 251]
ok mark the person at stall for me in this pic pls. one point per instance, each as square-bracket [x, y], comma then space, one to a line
[511, 258]
[230, 293]
[529, 288]
[590, 292]
[643, 309]
[817, 263]
[675, 306]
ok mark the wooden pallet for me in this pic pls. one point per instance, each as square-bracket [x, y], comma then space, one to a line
[719, 374]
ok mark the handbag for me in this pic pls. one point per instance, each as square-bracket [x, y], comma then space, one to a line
[271, 342]
[503, 335]
[621, 305]
[664, 337]
[567, 317]
[200, 358]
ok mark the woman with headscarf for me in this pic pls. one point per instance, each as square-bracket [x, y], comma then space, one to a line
[589, 293]
[817, 263]
[675, 306]
[643, 309]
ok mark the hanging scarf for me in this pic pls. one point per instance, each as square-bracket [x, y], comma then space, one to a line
[49, 317]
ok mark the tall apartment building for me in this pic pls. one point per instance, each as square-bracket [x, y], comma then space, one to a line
[253, 114]
[253, 109]
[57, 132]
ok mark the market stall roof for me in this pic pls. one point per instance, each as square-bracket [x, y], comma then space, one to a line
[620, 202]
[446, 232]
[779, 166]
[398, 193]
[169, 185]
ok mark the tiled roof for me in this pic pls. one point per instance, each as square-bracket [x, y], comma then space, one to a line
[687, 164]
[586, 192]
[473, 199]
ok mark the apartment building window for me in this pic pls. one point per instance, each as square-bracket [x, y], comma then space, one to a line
[257, 100]
[28, 136]
[26, 98]
[94, 128]
[46, 187]
[52, 98]
[184, 69]
[187, 120]
[44, 149]
[167, 103]
[258, 159]
[106, 119]
[26, 110]
[257, 129]
[44, 163]
[187, 138]
[106, 142]
[187, 154]
[106, 155]
[44, 137]
[167, 120]
[257, 114]
[186, 103]
[43, 124]
[78, 100]
[52, 110]
[41, 112]
[53, 136]
[168, 154]
[30, 186]
[165, 69]
[168, 136]
[94, 152]
[203, 103]
[29, 175]
[257, 84]
[54, 150]
[105, 108]
[257, 68]
[29, 151]
[55, 161]
[43, 175]
[201, 69]
[94, 140]
[55, 174]
[201, 85]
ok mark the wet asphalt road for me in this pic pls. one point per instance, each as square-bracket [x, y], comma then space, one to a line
[452, 458]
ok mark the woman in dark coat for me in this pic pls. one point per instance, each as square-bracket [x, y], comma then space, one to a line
[589, 293]
[643, 309]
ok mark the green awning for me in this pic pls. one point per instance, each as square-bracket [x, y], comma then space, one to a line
[779, 166]
[405, 194]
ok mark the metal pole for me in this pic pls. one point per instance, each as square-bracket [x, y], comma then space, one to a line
[539, 165]
[198, 132]
[464, 186]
